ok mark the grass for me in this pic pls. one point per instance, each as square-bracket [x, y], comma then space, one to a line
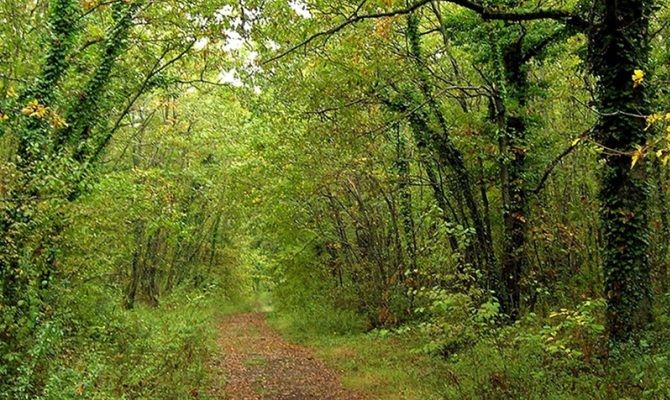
[379, 367]
[524, 361]
[382, 368]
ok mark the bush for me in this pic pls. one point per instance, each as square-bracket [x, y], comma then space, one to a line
[318, 319]
[142, 354]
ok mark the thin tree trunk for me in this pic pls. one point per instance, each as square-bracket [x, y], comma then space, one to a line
[135, 267]
[450, 157]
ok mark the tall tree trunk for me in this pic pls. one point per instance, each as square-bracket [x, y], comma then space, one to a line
[664, 215]
[403, 169]
[513, 149]
[620, 45]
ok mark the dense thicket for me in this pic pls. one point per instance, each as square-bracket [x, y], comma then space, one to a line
[111, 198]
[480, 164]
[488, 175]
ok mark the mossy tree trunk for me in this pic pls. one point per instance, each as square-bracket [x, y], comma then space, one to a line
[619, 43]
[513, 148]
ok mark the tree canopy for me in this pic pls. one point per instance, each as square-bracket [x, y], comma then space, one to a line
[478, 174]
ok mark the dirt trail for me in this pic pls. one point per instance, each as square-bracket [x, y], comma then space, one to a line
[256, 363]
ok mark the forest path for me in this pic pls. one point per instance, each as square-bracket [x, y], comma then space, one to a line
[255, 363]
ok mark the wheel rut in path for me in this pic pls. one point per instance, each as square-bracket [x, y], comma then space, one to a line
[256, 363]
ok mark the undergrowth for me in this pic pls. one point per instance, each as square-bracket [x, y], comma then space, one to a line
[555, 356]
[145, 353]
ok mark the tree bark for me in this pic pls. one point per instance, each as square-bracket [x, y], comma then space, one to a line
[512, 169]
[619, 45]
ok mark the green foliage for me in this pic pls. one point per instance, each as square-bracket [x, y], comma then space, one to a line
[145, 354]
[451, 177]
[84, 220]
[560, 357]
[318, 319]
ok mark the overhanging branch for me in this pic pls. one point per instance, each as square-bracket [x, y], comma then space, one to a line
[484, 12]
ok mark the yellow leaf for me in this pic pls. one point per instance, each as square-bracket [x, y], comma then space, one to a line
[638, 78]
[383, 27]
[637, 154]
[574, 142]
[3, 117]
[635, 158]
[88, 4]
[34, 109]
[654, 118]
[57, 121]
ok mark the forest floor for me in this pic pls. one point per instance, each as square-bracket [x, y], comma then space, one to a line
[254, 362]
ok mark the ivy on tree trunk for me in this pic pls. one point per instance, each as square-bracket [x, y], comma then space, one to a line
[619, 42]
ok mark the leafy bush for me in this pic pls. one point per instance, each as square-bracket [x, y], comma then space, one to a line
[560, 357]
[318, 319]
[571, 334]
[142, 354]
[453, 320]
